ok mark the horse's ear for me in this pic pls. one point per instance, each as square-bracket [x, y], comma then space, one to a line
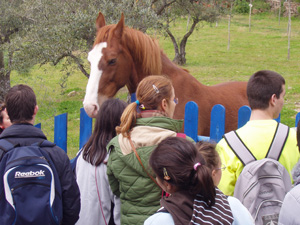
[100, 21]
[118, 32]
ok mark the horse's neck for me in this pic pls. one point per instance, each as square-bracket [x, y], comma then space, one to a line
[177, 73]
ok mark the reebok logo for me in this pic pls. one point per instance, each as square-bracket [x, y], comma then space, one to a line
[30, 174]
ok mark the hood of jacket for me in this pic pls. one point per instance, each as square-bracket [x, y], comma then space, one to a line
[149, 132]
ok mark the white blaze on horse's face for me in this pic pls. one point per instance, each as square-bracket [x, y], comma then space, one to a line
[91, 101]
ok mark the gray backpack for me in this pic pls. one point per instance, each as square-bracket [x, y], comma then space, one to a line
[262, 184]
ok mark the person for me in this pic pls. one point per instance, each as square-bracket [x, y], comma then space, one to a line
[22, 108]
[213, 162]
[96, 196]
[4, 118]
[265, 91]
[129, 177]
[291, 204]
[194, 199]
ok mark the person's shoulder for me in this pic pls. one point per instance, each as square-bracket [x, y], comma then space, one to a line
[160, 218]
[240, 213]
[56, 153]
[295, 193]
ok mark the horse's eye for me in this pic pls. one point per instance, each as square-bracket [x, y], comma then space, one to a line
[112, 61]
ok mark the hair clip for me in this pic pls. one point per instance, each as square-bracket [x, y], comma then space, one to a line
[137, 102]
[155, 89]
[142, 107]
[166, 176]
[196, 165]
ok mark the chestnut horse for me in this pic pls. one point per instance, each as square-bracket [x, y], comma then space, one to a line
[122, 56]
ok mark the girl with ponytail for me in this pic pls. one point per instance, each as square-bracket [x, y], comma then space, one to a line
[194, 199]
[144, 124]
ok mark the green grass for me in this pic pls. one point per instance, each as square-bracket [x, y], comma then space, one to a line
[265, 47]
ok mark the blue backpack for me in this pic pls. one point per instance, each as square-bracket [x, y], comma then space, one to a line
[30, 190]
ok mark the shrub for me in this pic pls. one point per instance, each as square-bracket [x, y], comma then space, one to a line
[241, 6]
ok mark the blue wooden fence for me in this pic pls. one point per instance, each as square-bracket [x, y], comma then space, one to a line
[217, 128]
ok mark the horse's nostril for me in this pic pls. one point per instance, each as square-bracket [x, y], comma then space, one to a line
[91, 109]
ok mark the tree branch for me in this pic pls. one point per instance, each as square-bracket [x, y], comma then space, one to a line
[159, 11]
[173, 40]
[80, 65]
[188, 34]
[77, 61]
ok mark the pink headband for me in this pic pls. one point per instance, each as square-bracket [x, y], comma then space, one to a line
[196, 165]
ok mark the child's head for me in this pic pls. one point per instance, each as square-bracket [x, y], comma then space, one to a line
[20, 102]
[4, 118]
[109, 116]
[153, 93]
[212, 159]
[180, 167]
[107, 119]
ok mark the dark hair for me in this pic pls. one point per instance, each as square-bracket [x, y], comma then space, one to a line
[107, 119]
[2, 108]
[20, 102]
[209, 153]
[261, 86]
[178, 156]
[150, 92]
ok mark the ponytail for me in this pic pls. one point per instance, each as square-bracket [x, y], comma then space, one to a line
[128, 120]
[203, 184]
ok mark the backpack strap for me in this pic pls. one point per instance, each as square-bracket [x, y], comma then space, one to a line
[6, 145]
[278, 142]
[44, 143]
[239, 148]
[140, 161]
[244, 154]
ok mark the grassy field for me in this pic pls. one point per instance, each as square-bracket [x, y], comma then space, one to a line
[208, 59]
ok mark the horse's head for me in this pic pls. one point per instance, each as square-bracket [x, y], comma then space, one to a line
[120, 56]
[111, 65]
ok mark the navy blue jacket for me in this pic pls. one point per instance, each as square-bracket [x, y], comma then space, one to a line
[27, 134]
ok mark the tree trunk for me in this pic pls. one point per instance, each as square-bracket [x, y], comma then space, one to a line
[229, 23]
[176, 49]
[250, 5]
[188, 22]
[180, 52]
[289, 29]
[279, 12]
[4, 77]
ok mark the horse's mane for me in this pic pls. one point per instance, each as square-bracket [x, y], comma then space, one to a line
[144, 50]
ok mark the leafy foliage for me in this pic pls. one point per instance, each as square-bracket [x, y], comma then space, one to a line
[241, 6]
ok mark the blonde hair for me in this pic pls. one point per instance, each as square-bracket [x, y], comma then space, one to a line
[150, 92]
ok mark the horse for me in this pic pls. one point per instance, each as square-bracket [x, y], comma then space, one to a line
[122, 56]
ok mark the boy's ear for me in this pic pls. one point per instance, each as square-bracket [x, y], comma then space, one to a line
[273, 100]
[36, 109]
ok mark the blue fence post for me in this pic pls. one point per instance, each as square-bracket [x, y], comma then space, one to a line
[297, 119]
[278, 118]
[243, 115]
[60, 131]
[133, 97]
[217, 123]
[39, 125]
[191, 120]
[86, 124]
